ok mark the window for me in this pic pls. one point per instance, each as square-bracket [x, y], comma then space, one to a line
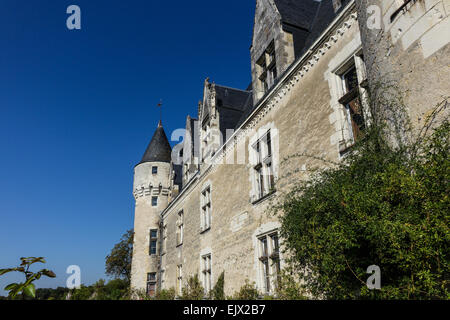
[154, 170]
[164, 239]
[162, 277]
[206, 272]
[154, 201]
[263, 169]
[179, 279]
[153, 241]
[402, 8]
[206, 209]
[268, 68]
[151, 284]
[352, 80]
[269, 257]
[180, 227]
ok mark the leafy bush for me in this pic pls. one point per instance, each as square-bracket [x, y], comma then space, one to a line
[117, 289]
[218, 292]
[383, 205]
[193, 290]
[289, 288]
[247, 292]
[165, 294]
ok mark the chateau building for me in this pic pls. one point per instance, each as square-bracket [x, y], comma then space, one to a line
[201, 208]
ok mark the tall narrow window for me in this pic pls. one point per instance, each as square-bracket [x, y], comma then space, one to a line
[268, 73]
[180, 228]
[263, 169]
[154, 170]
[151, 284]
[269, 257]
[206, 272]
[206, 209]
[153, 241]
[154, 201]
[162, 277]
[179, 279]
[351, 100]
[164, 239]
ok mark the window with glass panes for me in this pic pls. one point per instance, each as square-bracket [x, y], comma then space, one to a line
[153, 241]
[151, 284]
[351, 80]
[180, 228]
[206, 209]
[269, 257]
[263, 169]
[206, 272]
[179, 279]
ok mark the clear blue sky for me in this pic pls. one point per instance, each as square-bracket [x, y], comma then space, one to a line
[78, 108]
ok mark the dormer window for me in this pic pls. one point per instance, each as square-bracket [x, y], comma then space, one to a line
[267, 68]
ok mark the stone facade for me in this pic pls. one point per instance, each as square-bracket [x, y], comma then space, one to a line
[410, 48]
[304, 115]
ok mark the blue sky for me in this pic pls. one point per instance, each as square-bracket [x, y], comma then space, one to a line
[78, 108]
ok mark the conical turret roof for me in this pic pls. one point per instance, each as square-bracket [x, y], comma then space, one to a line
[159, 149]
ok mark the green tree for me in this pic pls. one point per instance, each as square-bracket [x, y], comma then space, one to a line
[193, 289]
[26, 288]
[165, 294]
[387, 205]
[218, 292]
[118, 262]
[247, 292]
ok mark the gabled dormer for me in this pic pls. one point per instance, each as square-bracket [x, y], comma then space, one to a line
[208, 123]
[282, 30]
[219, 114]
[190, 151]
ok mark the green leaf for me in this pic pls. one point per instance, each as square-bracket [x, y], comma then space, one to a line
[30, 290]
[14, 291]
[3, 271]
[48, 273]
[11, 286]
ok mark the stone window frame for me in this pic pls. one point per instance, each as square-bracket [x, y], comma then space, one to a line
[267, 70]
[180, 229]
[163, 245]
[153, 243]
[154, 170]
[206, 271]
[179, 280]
[401, 7]
[205, 204]
[357, 63]
[351, 52]
[151, 282]
[264, 163]
[266, 231]
[154, 201]
[269, 256]
[162, 278]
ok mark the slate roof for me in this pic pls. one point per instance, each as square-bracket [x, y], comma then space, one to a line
[231, 104]
[300, 13]
[325, 15]
[159, 149]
